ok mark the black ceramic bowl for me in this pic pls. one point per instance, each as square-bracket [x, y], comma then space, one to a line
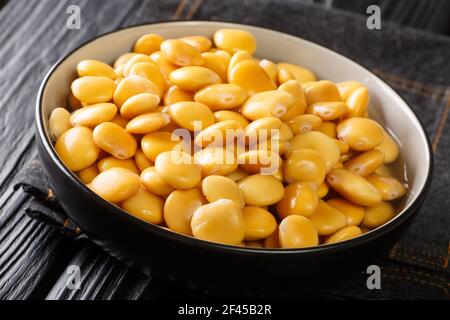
[208, 266]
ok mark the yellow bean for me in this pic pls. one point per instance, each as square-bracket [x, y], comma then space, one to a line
[131, 86]
[272, 241]
[353, 187]
[328, 110]
[122, 60]
[262, 129]
[259, 190]
[221, 221]
[346, 153]
[329, 128]
[224, 115]
[327, 219]
[284, 76]
[88, 174]
[73, 102]
[200, 43]
[301, 74]
[389, 187]
[119, 120]
[77, 149]
[322, 91]
[217, 64]
[378, 215]
[222, 53]
[93, 89]
[116, 184]
[365, 163]
[353, 213]
[297, 232]
[111, 162]
[305, 165]
[115, 140]
[237, 57]
[165, 65]
[304, 123]
[233, 40]
[138, 58]
[237, 175]
[95, 68]
[181, 53]
[216, 134]
[193, 78]
[221, 96]
[319, 142]
[175, 94]
[259, 223]
[145, 205]
[147, 123]
[346, 233]
[299, 199]
[384, 170]
[271, 69]
[153, 183]
[259, 161]
[157, 142]
[251, 77]
[148, 43]
[389, 148]
[180, 207]
[150, 71]
[273, 103]
[178, 169]
[322, 190]
[296, 90]
[142, 162]
[93, 115]
[216, 161]
[218, 187]
[346, 88]
[59, 122]
[357, 102]
[360, 134]
[275, 145]
[191, 115]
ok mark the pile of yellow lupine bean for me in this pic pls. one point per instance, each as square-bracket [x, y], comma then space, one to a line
[332, 182]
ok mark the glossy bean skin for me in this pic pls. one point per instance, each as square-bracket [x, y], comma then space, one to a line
[346, 88]
[216, 63]
[148, 43]
[365, 163]
[137, 58]
[126, 184]
[232, 40]
[200, 43]
[259, 190]
[378, 215]
[237, 57]
[272, 103]
[224, 115]
[112, 162]
[357, 102]
[259, 223]
[259, 161]
[389, 148]
[221, 96]
[93, 115]
[262, 128]
[88, 174]
[285, 75]
[353, 187]
[77, 149]
[221, 221]
[360, 134]
[155, 143]
[165, 65]
[150, 71]
[153, 183]
[300, 104]
[147, 123]
[179, 208]
[178, 169]
[175, 94]
[301, 74]
[191, 115]
[327, 219]
[95, 68]
[322, 190]
[328, 110]
[271, 69]
[115, 140]
[218, 187]
[250, 76]
[59, 122]
[322, 91]
[142, 162]
[215, 134]
[297, 232]
[328, 128]
[145, 205]
[237, 175]
[304, 123]
[93, 89]
[346, 233]
[193, 78]
[353, 213]
[299, 199]
[216, 161]
[181, 53]
[305, 165]
[389, 187]
[131, 86]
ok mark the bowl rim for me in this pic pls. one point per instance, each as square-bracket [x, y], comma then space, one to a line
[371, 235]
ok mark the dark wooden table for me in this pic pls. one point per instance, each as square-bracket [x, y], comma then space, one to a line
[34, 257]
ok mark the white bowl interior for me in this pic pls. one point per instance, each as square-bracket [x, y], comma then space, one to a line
[385, 105]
